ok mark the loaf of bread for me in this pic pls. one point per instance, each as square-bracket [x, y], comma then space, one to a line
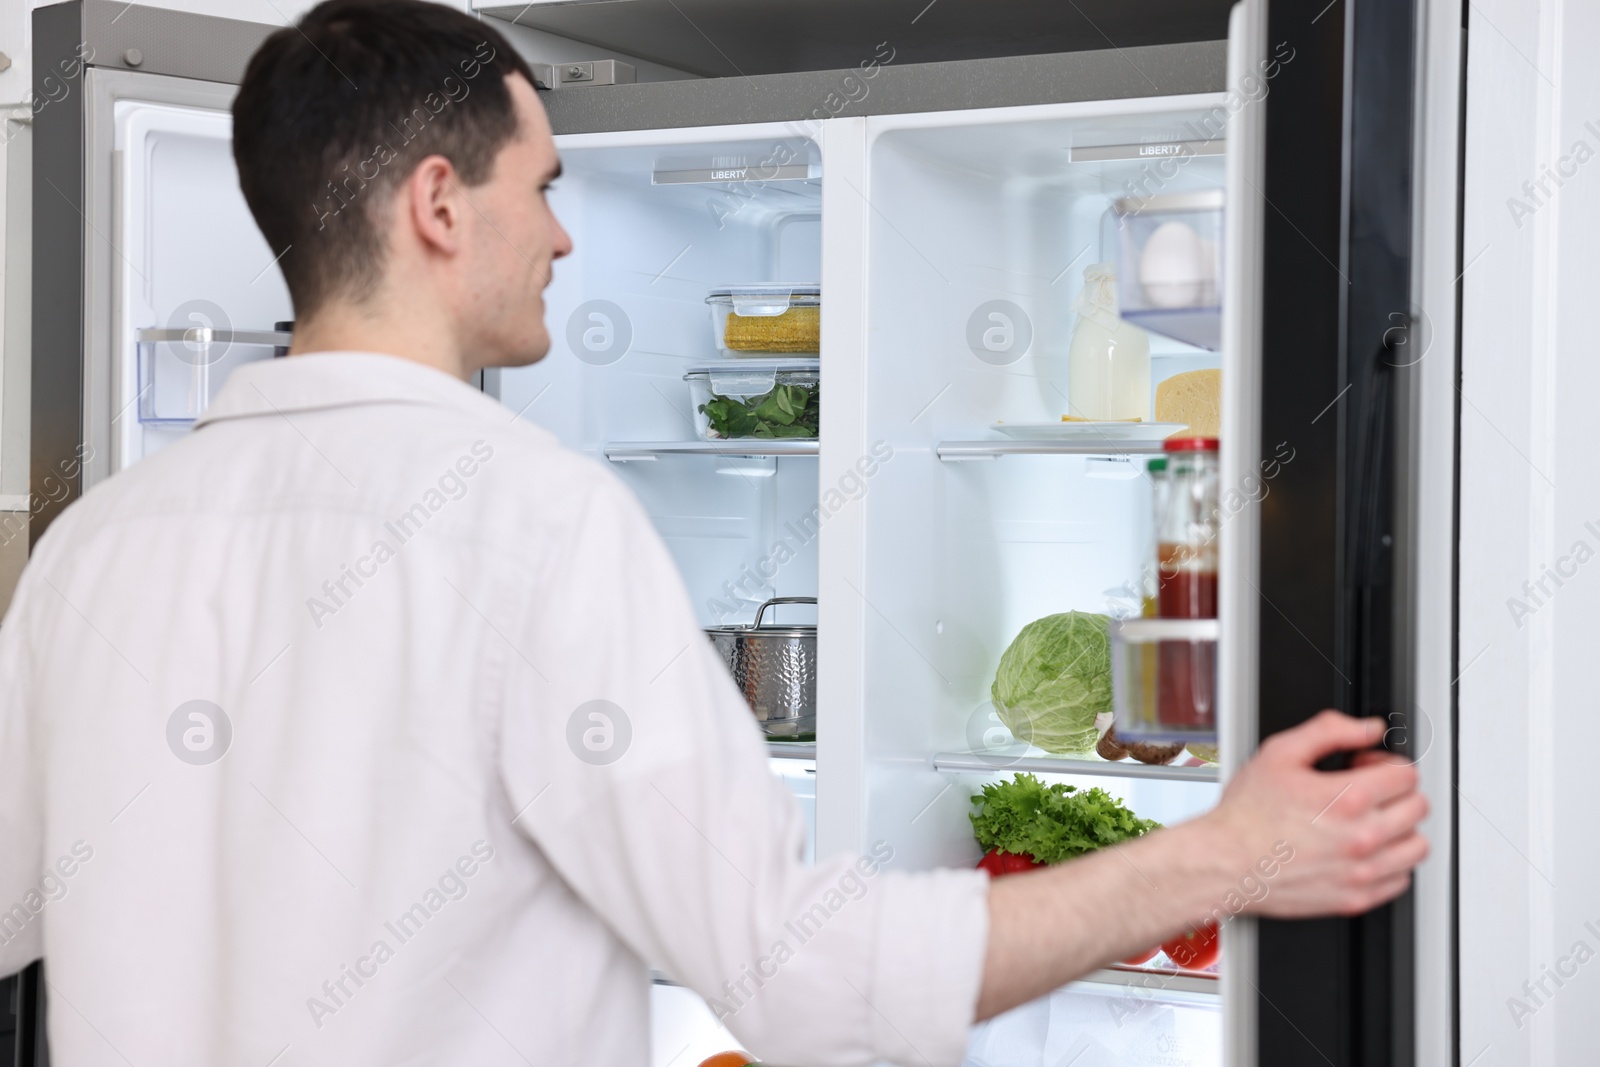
[1193, 398]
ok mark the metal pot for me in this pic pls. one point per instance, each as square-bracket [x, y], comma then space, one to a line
[775, 667]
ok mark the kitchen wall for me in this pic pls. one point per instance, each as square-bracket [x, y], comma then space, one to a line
[1530, 533]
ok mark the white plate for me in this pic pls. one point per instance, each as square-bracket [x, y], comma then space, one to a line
[1089, 431]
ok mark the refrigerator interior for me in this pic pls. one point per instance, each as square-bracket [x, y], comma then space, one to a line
[969, 209]
[628, 318]
[190, 256]
[964, 208]
[960, 555]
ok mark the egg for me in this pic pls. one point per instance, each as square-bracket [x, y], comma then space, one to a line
[1177, 267]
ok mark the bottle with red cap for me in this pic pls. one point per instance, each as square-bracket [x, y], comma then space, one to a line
[1186, 534]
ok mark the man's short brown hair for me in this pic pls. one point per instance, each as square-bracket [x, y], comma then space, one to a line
[336, 111]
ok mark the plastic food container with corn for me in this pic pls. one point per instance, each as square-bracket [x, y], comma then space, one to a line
[766, 398]
[767, 320]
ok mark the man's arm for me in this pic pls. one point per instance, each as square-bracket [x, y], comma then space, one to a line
[1351, 838]
[676, 834]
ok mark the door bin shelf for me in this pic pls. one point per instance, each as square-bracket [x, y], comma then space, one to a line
[1171, 269]
[182, 370]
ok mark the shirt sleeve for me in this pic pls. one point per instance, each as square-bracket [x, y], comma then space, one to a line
[644, 781]
[21, 823]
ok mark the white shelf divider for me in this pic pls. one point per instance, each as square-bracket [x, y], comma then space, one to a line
[989, 763]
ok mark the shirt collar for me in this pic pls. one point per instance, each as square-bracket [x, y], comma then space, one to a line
[340, 379]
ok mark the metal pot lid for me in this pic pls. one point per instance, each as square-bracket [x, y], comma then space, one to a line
[755, 629]
[764, 631]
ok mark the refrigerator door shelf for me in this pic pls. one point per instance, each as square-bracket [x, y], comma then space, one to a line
[181, 370]
[1170, 274]
[1164, 679]
[170, 152]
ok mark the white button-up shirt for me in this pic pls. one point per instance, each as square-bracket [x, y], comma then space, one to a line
[367, 725]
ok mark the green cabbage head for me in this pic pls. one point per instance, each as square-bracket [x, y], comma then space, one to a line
[1054, 679]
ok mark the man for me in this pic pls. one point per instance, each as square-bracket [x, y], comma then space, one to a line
[292, 757]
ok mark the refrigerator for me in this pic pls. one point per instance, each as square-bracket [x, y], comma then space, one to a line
[944, 214]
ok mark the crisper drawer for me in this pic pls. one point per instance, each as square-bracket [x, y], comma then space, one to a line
[181, 370]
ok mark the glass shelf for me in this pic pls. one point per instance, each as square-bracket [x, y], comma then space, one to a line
[645, 451]
[967, 451]
[792, 749]
[1157, 978]
[989, 763]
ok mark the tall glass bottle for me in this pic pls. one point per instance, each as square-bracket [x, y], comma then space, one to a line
[1108, 361]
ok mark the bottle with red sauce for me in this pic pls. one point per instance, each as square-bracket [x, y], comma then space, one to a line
[1186, 535]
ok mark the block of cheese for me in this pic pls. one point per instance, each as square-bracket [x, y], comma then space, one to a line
[1194, 398]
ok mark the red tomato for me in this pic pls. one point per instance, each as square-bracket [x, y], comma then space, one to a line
[727, 1059]
[998, 863]
[1195, 950]
[1142, 957]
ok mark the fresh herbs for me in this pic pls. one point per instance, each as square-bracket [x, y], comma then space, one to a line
[1051, 823]
[785, 411]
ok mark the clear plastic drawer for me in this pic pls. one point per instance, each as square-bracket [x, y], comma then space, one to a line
[1170, 277]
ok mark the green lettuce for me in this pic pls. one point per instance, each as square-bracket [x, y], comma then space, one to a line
[1051, 823]
[1054, 679]
[783, 411]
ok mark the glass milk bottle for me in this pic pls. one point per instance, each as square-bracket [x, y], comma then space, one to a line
[1108, 363]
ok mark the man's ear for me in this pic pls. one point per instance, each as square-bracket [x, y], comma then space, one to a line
[435, 205]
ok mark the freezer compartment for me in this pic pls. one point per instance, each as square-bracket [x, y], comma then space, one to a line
[182, 370]
[1170, 273]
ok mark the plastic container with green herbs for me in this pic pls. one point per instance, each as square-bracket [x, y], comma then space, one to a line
[763, 399]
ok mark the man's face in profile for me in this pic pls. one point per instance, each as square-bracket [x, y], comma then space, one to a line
[513, 240]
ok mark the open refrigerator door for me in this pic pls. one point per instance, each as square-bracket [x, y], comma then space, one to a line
[192, 302]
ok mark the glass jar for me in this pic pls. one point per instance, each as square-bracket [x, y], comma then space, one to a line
[1186, 535]
[1108, 359]
[1186, 530]
[1150, 573]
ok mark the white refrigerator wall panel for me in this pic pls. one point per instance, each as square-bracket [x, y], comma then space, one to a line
[190, 256]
